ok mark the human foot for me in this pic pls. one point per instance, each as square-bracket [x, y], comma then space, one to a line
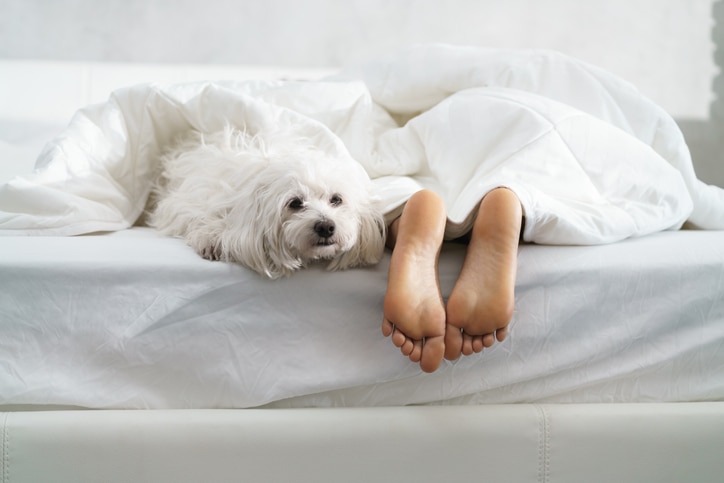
[481, 303]
[414, 314]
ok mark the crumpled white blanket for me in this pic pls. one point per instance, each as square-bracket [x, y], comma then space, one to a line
[592, 160]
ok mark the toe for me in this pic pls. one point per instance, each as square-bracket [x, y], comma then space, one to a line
[387, 327]
[501, 334]
[488, 340]
[478, 344]
[433, 350]
[416, 353]
[453, 342]
[467, 344]
[398, 338]
[407, 346]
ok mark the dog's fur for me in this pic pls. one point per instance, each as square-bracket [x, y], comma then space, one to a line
[273, 203]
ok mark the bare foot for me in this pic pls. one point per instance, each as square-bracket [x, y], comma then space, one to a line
[414, 314]
[481, 303]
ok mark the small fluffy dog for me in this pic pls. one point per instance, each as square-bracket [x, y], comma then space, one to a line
[273, 203]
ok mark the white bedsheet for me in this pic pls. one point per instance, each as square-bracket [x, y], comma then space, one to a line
[591, 159]
[135, 320]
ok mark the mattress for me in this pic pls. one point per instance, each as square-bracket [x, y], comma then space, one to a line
[131, 319]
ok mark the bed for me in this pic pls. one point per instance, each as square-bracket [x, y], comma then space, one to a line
[126, 357]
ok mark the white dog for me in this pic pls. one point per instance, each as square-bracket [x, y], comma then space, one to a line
[273, 203]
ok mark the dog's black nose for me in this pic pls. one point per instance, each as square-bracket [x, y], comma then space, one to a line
[325, 229]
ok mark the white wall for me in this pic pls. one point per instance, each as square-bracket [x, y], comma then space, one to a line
[665, 47]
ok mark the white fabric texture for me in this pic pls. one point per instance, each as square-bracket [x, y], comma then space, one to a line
[132, 319]
[591, 159]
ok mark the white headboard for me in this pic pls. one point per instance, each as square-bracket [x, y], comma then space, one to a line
[668, 48]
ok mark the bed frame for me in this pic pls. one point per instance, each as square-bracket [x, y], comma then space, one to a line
[541, 441]
[514, 442]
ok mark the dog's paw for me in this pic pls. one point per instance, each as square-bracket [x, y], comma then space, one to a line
[211, 252]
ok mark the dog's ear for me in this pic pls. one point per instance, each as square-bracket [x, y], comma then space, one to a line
[370, 243]
[250, 241]
[255, 237]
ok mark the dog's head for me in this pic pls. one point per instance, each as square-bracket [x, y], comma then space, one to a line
[303, 206]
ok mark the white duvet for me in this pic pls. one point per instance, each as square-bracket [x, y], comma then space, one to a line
[592, 160]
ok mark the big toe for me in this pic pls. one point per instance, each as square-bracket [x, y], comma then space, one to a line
[453, 342]
[433, 350]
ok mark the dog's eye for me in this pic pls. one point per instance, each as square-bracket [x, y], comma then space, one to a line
[335, 200]
[295, 204]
